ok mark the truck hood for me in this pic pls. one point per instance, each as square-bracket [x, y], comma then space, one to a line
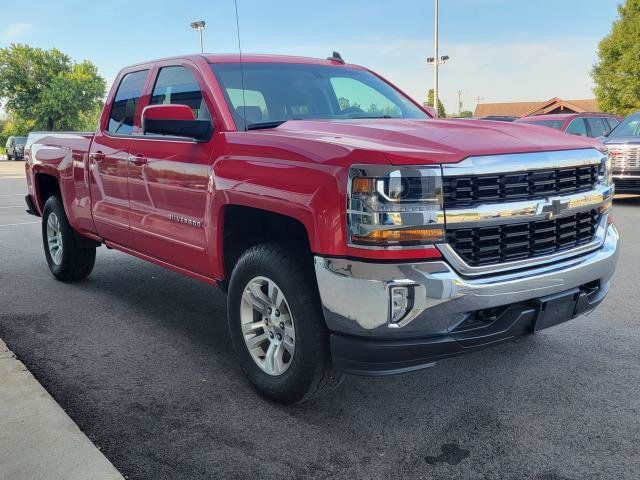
[427, 141]
[626, 140]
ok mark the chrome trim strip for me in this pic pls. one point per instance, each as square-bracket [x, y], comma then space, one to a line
[528, 210]
[524, 162]
[624, 177]
[355, 294]
[463, 268]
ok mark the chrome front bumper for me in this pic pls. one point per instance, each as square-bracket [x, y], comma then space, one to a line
[356, 295]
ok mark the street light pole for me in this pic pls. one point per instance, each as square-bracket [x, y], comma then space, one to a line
[436, 63]
[199, 26]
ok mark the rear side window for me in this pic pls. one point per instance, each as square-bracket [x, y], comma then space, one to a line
[125, 104]
[577, 127]
[178, 85]
[598, 126]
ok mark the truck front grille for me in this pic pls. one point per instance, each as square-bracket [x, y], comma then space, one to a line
[506, 243]
[466, 191]
[625, 157]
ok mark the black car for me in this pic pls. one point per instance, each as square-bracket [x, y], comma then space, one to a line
[15, 148]
[623, 144]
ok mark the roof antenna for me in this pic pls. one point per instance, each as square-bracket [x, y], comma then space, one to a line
[244, 103]
[336, 57]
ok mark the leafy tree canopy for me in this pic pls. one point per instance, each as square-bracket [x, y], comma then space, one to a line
[47, 89]
[441, 112]
[617, 73]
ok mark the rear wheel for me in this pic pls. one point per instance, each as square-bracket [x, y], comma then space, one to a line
[9, 157]
[67, 260]
[277, 327]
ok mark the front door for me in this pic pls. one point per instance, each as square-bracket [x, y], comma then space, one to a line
[109, 161]
[169, 180]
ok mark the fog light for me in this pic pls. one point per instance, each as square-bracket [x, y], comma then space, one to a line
[401, 302]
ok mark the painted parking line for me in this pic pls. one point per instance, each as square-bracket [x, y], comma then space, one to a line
[12, 195]
[15, 224]
[14, 206]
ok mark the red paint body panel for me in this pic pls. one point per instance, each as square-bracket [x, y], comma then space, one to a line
[164, 199]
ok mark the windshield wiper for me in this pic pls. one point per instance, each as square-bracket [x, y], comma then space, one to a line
[261, 125]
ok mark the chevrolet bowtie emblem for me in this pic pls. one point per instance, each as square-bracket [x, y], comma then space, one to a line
[552, 208]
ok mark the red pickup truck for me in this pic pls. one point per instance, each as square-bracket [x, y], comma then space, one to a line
[352, 232]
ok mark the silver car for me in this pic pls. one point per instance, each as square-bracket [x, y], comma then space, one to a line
[623, 144]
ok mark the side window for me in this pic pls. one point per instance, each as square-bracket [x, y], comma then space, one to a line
[178, 85]
[597, 126]
[251, 106]
[613, 122]
[577, 127]
[356, 97]
[125, 103]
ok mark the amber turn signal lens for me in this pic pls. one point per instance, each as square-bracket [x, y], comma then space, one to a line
[362, 185]
[408, 236]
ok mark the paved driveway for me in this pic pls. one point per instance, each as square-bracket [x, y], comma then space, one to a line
[140, 359]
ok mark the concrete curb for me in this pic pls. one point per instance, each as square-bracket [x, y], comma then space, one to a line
[38, 440]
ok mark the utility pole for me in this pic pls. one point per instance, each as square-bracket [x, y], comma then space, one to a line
[436, 63]
[436, 60]
[199, 26]
[459, 102]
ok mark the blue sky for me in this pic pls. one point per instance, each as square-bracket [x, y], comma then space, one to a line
[502, 50]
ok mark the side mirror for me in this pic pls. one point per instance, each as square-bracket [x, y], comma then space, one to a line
[176, 121]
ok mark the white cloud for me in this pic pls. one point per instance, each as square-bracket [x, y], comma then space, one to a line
[16, 30]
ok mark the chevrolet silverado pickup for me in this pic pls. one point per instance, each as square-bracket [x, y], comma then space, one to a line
[352, 232]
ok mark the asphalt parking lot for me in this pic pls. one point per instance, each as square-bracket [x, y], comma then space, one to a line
[140, 359]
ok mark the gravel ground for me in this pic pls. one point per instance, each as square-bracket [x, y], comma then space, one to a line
[140, 359]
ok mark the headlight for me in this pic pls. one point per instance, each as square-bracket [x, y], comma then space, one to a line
[605, 174]
[395, 207]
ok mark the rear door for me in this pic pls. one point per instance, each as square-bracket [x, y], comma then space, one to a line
[109, 159]
[170, 178]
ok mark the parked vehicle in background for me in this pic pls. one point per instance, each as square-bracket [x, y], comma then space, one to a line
[583, 124]
[15, 148]
[623, 144]
[352, 231]
[499, 118]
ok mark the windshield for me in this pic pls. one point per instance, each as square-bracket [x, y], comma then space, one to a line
[277, 92]
[629, 127]
[557, 124]
[21, 140]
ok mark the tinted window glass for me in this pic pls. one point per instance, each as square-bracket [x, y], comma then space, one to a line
[577, 127]
[178, 85]
[629, 126]
[277, 92]
[125, 105]
[557, 124]
[613, 122]
[598, 126]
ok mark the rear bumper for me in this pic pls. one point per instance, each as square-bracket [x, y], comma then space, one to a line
[449, 314]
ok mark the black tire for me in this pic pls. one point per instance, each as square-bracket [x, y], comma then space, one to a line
[310, 372]
[76, 262]
[8, 157]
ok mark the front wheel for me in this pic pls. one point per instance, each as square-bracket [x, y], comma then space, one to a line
[67, 260]
[277, 327]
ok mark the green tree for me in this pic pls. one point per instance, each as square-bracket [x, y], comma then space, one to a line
[441, 112]
[466, 114]
[617, 73]
[47, 88]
